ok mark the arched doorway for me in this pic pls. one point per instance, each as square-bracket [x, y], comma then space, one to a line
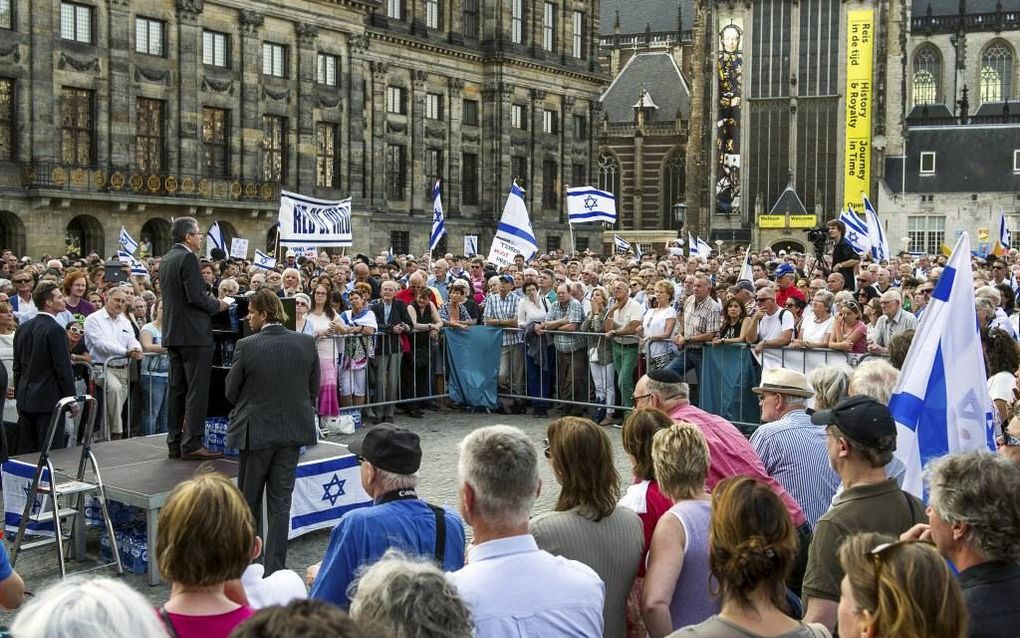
[789, 245]
[156, 232]
[12, 233]
[271, 239]
[85, 235]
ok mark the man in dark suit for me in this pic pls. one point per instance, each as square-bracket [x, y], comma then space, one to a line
[187, 334]
[42, 370]
[274, 385]
[393, 320]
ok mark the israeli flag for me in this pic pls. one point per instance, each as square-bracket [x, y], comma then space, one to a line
[637, 251]
[621, 244]
[1005, 236]
[323, 492]
[137, 268]
[215, 239]
[126, 242]
[438, 224]
[876, 236]
[17, 482]
[586, 204]
[262, 260]
[704, 250]
[856, 231]
[514, 226]
[693, 250]
[937, 414]
[746, 274]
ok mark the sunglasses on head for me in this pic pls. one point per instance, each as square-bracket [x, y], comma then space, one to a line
[76, 330]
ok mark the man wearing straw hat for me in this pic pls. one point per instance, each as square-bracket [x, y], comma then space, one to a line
[793, 449]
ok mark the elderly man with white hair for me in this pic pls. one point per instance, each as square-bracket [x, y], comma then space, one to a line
[894, 320]
[999, 319]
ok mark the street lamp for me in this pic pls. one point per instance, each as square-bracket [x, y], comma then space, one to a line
[718, 246]
[679, 216]
[906, 243]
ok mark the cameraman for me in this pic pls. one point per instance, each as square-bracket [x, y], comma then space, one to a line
[844, 258]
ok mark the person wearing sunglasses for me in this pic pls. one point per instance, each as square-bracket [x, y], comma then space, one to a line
[902, 589]
[21, 301]
[1007, 440]
[921, 298]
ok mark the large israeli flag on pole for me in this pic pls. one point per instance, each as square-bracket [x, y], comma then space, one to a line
[438, 223]
[856, 231]
[513, 234]
[126, 242]
[937, 414]
[876, 236]
[586, 204]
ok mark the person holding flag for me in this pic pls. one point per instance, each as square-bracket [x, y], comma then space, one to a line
[844, 258]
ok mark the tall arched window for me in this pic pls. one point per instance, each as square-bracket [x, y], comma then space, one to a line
[672, 182]
[609, 173]
[927, 75]
[996, 72]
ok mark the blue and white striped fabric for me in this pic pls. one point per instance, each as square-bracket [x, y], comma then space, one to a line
[215, 239]
[514, 226]
[126, 241]
[704, 250]
[1005, 236]
[856, 231]
[323, 492]
[692, 246]
[137, 267]
[438, 224]
[637, 250]
[621, 244]
[587, 204]
[262, 260]
[935, 414]
[876, 235]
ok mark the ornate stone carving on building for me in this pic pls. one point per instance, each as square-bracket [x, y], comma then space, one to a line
[359, 42]
[69, 61]
[379, 69]
[218, 86]
[537, 96]
[502, 90]
[119, 4]
[419, 78]
[328, 101]
[189, 10]
[469, 137]
[396, 127]
[307, 33]
[568, 102]
[456, 84]
[13, 52]
[163, 77]
[279, 96]
[251, 22]
[435, 132]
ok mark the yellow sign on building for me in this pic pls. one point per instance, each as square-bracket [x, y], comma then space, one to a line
[860, 34]
[772, 221]
[803, 221]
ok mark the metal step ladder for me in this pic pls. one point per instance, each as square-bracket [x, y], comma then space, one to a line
[67, 498]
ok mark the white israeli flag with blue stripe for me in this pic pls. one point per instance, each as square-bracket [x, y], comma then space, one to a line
[856, 232]
[262, 260]
[622, 245]
[323, 492]
[514, 227]
[876, 235]
[937, 414]
[126, 241]
[137, 268]
[586, 204]
[438, 223]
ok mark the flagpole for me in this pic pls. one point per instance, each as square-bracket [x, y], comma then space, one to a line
[276, 249]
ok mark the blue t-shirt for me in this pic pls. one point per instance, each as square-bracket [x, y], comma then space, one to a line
[5, 564]
[363, 535]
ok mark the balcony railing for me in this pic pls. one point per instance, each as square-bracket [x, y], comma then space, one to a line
[126, 180]
[662, 38]
[998, 21]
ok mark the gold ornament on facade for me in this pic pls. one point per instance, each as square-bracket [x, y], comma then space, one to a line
[220, 189]
[204, 187]
[235, 189]
[78, 177]
[136, 182]
[267, 192]
[117, 181]
[251, 190]
[187, 186]
[99, 178]
[59, 176]
[171, 184]
[154, 182]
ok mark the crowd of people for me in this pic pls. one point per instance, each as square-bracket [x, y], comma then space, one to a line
[799, 531]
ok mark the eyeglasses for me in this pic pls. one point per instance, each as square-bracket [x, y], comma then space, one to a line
[545, 448]
[76, 330]
[925, 291]
[22, 281]
[639, 397]
[790, 304]
[300, 303]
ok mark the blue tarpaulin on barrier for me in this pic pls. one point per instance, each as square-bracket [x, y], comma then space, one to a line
[728, 373]
[472, 365]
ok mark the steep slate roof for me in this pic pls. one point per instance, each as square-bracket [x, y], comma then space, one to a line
[788, 202]
[659, 75]
[968, 159]
[660, 15]
[919, 8]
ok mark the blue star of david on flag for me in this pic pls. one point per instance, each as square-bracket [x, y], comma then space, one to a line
[586, 204]
[590, 203]
[333, 490]
[36, 502]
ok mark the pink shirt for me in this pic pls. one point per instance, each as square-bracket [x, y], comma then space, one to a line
[216, 626]
[732, 455]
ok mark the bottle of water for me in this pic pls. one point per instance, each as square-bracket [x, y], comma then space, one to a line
[104, 548]
[136, 555]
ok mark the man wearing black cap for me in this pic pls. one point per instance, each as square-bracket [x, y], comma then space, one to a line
[390, 458]
[861, 439]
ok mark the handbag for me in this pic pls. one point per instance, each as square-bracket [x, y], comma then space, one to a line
[660, 361]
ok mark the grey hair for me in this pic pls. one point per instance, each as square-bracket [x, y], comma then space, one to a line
[80, 607]
[986, 304]
[182, 226]
[874, 378]
[410, 598]
[391, 481]
[666, 391]
[831, 385]
[843, 295]
[982, 491]
[825, 297]
[501, 464]
[991, 293]
[294, 271]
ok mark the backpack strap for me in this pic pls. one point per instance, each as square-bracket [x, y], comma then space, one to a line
[165, 617]
[440, 548]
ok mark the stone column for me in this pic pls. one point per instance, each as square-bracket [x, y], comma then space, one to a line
[416, 142]
[251, 98]
[455, 115]
[45, 112]
[378, 143]
[119, 98]
[354, 161]
[304, 157]
[189, 74]
[536, 153]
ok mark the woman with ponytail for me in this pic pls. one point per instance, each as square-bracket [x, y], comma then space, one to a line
[752, 546]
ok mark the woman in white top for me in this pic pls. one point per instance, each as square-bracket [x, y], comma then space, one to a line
[657, 327]
[155, 373]
[357, 324]
[325, 323]
[7, 327]
[816, 328]
[1002, 360]
[302, 304]
[539, 353]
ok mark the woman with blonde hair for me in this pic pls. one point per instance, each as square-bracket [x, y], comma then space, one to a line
[898, 588]
[587, 525]
[676, 591]
[205, 540]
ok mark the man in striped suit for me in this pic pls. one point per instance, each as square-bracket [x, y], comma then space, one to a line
[273, 384]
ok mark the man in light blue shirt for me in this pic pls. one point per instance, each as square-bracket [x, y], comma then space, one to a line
[513, 588]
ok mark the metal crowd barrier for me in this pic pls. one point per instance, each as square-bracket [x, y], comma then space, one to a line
[128, 424]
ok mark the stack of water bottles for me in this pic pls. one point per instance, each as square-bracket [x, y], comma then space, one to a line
[216, 436]
[129, 530]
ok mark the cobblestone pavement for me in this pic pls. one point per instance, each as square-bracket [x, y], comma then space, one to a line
[439, 433]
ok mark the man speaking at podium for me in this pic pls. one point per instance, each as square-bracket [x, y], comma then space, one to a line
[187, 335]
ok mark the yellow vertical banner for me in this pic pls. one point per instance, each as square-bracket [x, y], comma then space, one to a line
[860, 34]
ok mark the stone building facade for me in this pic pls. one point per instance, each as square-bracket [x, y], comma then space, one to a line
[117, 113]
